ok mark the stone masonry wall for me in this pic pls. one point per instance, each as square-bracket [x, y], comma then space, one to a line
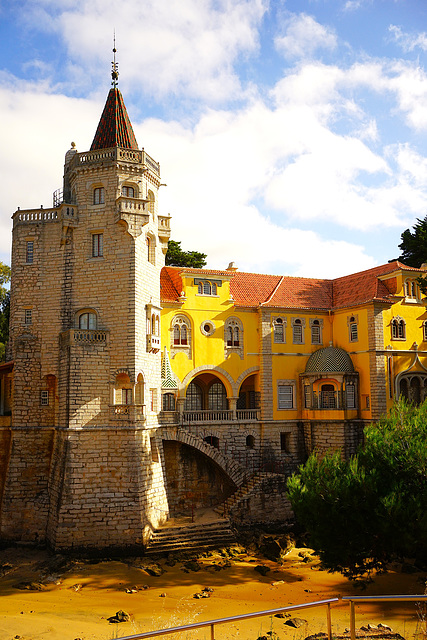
[25, 503]
[102, 480]
[377, 368]
[268, 504]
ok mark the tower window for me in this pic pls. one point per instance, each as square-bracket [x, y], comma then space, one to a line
[44, 398]
[28, 316]
[87, 320]
[168, 402]
[129, 192]
[99, 195]
[29, 256]
[97, 245]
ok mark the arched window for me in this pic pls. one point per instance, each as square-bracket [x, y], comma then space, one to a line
[207, 288]
[250, 442]
[122, 389]
[352, 329]
[180, 336]
[180, 332]
[425, 330]
[217, 397]
[151, 250]
[129, 192]
[194, 397]
[398, 328]
[316, 331]
[328, 397]
[213, 441]
[151, 201]
[139, 390]
[233, 336]
[297, 331]
[99, 195]
[279, 330]
[168, 403]
[87, 320]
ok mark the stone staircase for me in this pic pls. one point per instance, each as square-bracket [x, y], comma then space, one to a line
[191, 537]
[241, 493]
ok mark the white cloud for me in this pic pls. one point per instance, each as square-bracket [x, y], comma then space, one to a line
[304, 36]
[408, 42]
[188, 47]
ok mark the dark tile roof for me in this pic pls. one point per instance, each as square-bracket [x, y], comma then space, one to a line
[114, 128]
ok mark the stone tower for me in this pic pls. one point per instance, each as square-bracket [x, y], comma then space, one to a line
[84, 468]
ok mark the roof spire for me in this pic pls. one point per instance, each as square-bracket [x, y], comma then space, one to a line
[114, 65]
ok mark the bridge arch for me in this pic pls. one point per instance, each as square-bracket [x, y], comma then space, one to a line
[230, 467]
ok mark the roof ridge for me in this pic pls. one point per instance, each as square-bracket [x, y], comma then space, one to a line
[273, 292]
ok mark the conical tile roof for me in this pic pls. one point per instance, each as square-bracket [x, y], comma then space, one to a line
[114, 128]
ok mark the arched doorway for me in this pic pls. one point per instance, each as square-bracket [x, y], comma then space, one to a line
[206, 392]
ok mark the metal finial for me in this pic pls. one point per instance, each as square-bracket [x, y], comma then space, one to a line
[115, 66]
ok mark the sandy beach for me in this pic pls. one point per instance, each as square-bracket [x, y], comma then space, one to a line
[47, 598]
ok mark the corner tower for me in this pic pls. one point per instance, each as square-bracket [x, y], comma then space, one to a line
[85, 339]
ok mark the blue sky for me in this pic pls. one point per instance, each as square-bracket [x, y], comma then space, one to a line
[292, 135]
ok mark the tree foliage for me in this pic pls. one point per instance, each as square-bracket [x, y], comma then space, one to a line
[366, 511]
[176, 257]
[4, 307]
[414, 244]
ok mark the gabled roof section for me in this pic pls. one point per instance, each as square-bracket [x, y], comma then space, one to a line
[114, 128]
[170, 284]
[365, 286]
[252, 289]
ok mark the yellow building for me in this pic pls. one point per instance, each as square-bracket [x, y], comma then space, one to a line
[135, 392]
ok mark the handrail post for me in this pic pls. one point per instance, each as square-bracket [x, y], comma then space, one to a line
[328, 618]
[212, 632]
[352, 621]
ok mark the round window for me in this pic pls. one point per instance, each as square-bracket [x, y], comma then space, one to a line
[207, 328]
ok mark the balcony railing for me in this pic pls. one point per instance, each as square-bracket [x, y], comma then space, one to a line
[164, 226]
[127, 412]
[247, 415]
[220, 415]
[35, 215]
[223, 415]
[115, 153]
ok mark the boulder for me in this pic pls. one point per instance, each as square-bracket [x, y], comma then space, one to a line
[262, 569]
[296, 623]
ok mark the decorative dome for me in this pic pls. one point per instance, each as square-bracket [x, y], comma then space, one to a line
[329, 359]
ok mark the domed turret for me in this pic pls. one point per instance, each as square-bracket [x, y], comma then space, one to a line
[328, 360]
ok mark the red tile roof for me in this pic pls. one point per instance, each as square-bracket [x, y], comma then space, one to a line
[114, 128]
[364, 286]
[256, 289]
[170, 284]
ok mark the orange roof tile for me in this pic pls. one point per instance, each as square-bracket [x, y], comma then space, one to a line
[256, 289]
[302, 293]
[170, 284]
[252, 289]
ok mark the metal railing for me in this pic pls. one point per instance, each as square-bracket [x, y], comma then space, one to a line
[243, 616]
[353, 599]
